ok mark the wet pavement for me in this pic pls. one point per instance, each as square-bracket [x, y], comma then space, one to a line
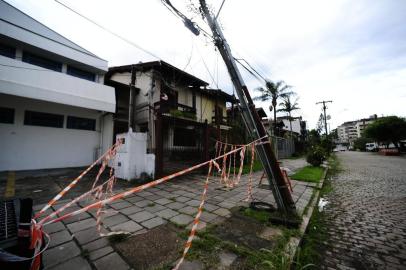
[366, 213]
[76, 243]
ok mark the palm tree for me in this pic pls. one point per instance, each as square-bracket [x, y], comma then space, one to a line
[273, 91]
[288, 106]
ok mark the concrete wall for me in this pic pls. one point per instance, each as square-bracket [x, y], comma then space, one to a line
[26, 147]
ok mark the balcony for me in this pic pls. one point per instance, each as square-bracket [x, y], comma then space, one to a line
[219, 120]
[176, 110]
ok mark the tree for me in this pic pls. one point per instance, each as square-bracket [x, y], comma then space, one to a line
[391, 129]
[288, 106]
[273, 91]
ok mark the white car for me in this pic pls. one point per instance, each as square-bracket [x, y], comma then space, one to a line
[371, 147]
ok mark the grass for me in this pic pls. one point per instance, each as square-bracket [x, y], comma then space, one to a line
[309, 174]
[310, 252]
[257, 166]
[208, 245]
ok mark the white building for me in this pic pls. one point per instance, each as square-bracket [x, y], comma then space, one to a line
[348, 132]
[54, 109]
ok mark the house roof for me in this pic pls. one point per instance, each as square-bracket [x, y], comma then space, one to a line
[219, 93]
[164, 68]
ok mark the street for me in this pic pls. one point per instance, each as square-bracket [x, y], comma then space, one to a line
[366, 213]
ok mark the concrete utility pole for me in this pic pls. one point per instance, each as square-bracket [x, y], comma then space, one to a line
[324, 110]
[251, 119]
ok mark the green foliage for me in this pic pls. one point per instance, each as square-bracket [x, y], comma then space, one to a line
[309, 174]
[361, 142]
[387, 130]
[178, 113]
[316, 155]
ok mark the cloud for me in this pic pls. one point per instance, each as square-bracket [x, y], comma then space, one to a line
[352, 52]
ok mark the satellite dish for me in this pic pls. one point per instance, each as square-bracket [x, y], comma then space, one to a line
[328, 117]
[270, 108]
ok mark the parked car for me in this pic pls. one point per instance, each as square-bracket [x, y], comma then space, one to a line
[371, 147]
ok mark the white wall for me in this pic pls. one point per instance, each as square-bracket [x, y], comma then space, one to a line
[26, 80]
[26, 147]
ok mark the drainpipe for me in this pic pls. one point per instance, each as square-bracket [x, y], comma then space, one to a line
[131, 101]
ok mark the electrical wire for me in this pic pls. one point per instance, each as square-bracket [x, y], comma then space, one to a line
[109, 31]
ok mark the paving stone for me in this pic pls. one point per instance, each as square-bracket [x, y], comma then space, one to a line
[59, 238]
[134, 199]
[88, 235]
[175, 205]
[77, 263]
[144, 203]
[194, 203]
[163, 201]
[189, 210]
[222, 212]
[155, 208]
[227, 258]
[81, 225]
[81, 216]
[120, 205]
[54, 227]
[191, 265]
[130, 210]
[141, 216]
[152, 223]
[207, 217]
[182, 199]
[99, 243]
[200, 226]
[98, 253]
[61, 253]
[227, 205]
[114, 220]
[210, 207]
[111, 261]
[128, 226]
[181, 219]
[167, 213]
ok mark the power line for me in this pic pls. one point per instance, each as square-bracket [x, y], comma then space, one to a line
[253, 69]
[109, 31]
[218, 12]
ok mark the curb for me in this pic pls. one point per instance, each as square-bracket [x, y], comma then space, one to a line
[294, 242]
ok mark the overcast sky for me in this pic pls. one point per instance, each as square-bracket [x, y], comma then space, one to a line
[351, 52]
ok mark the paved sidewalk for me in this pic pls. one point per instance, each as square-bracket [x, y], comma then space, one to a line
[366, 214]
[77, 245]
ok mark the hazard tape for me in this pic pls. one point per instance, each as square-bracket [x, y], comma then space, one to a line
[197, 218]
[110, 182]
[249, 188]
[143, 187]
[74, 182]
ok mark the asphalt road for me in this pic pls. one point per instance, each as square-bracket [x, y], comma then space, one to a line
[366, 213]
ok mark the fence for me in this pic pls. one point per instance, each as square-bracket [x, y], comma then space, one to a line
[283, 148]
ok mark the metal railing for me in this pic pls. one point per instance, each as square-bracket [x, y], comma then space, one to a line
[282, 147]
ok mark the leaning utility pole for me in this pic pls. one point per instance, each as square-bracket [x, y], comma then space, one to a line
[251, 119]
[324, 110]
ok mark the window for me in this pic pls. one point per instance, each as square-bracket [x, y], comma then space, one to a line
[6, 115]
[81, 73]
[74, 122]
[43, 119]
[42, 62]
[7, 51]
[184, 137]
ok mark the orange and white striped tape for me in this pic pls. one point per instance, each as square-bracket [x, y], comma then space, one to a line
[196, 220]
[74, 182]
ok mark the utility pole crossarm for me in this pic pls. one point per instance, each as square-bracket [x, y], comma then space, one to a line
[251, 119]
[324, 110]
